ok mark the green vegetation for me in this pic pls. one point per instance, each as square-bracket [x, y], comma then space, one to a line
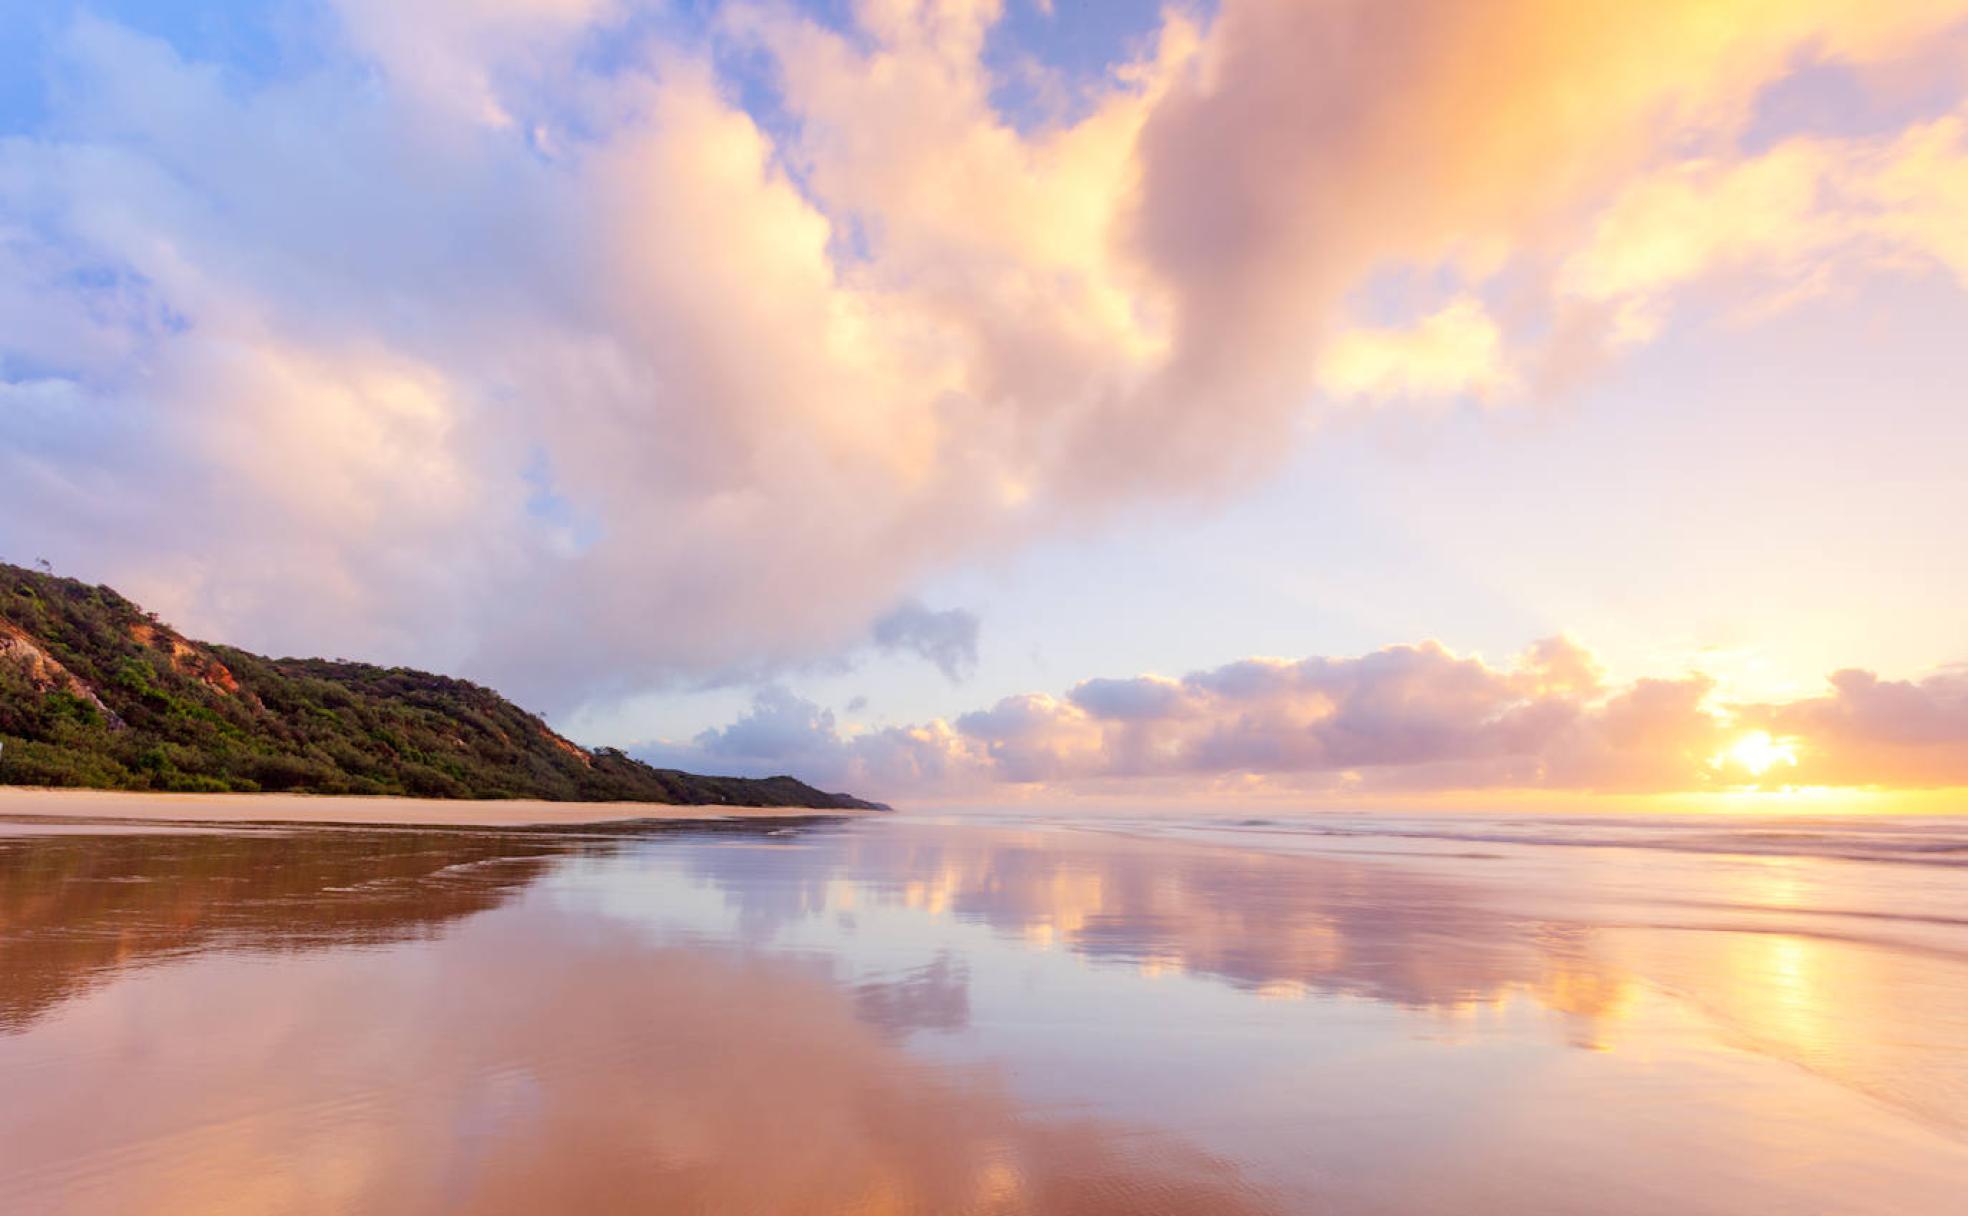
[95, 692]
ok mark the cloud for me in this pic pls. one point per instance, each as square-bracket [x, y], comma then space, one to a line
[1872, 731]
[453, 54]
[947, 638]
[779, 726]
[1401, 721]
[1789, 217]
[1143, 698]
[464, 343]
[785, 733]
[1458, 350]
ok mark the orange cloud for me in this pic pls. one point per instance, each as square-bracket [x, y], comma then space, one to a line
[1456, 351]
[1788, 216]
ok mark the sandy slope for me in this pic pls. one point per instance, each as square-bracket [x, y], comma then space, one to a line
[307, 808]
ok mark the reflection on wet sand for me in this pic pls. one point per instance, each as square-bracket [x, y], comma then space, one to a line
[75, 907]
[533, 1063]
[897, 1017]
[1774, 976]
[85, 901]
[1270, 924]
[1886, 1024]
[935, 996]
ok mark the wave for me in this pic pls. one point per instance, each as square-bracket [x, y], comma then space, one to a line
[1928, 841]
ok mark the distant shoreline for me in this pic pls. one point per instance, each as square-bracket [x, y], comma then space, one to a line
[154, 807]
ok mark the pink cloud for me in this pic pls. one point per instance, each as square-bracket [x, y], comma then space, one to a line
[1414, 719]
[1876, 731]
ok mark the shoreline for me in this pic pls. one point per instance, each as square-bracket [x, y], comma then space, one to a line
[149, 806]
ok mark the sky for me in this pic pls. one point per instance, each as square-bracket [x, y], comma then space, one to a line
[1307, 402]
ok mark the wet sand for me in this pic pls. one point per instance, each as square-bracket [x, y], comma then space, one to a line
[415, 812]
[896, 1014]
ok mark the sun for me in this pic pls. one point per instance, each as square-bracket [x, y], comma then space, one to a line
[1757, 753]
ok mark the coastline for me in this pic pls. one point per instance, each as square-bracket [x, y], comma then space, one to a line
[152, 807]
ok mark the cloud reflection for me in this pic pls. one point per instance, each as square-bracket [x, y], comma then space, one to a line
[530, 1061]
[1814, 972]
[1262, 922]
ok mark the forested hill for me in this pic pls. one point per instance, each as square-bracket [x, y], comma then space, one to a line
[96, 692]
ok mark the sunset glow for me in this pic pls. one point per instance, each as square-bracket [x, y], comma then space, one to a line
[961, 399]
[1757, 753]
[1030, 607]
